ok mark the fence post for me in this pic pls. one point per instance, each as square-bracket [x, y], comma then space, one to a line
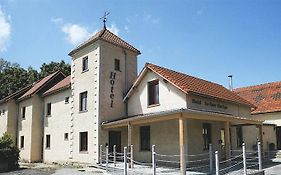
[125, 161]
[217, 163]
[114, 155]
[132, 156]
[153, 160]
[244, 159]
[211, 158]
[106, 157]
[101, 154]
[260, 155]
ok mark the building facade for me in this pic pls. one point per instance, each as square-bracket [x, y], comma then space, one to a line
[104, 102]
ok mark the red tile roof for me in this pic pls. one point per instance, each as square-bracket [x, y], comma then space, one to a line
[107, 36]
[190, 84]
[15, 94]
[63, 84]
[36, 86]
[267, 97]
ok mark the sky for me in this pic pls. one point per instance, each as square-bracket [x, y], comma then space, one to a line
[209, 39]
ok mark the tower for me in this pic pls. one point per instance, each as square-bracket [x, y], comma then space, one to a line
[103, 69]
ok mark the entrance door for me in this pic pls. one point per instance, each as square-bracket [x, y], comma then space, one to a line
[115, 139]
[278, 137]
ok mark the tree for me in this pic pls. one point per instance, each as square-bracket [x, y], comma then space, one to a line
[13, 77]
[47, 69]
[9, 153]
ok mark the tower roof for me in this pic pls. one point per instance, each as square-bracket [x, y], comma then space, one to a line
[107, 36]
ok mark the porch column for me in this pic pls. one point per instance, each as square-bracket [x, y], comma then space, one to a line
[182, 137]
[261, 136]
[227, 139]
[131, 138]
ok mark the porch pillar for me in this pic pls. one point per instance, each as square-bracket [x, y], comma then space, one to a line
[227, 139]
[131, 138]
[261, 136]
[182, 137]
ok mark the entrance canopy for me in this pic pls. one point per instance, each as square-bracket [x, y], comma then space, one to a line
[185, 113]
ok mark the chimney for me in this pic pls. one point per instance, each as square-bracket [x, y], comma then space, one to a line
[230, 82]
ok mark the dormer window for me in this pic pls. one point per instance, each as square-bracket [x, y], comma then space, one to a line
[117, 65]
[85, 64]
[153, 92]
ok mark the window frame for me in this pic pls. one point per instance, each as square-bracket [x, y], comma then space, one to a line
[23, 112]
[66, 136]
[49, 109]
[145, 136]
[83, 107]
[117, 65]
[85, 64]
[48, 141]
[66, 100]
[207, 136]
[153, 93]
[83, 148]
[21, 142]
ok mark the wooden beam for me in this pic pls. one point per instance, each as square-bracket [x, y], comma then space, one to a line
[182, 145]
[227, 140]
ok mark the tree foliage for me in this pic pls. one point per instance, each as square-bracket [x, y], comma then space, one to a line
[9, 153]
[13, 77]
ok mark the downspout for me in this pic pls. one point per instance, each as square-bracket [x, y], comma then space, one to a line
[126, 82]
[17, 125]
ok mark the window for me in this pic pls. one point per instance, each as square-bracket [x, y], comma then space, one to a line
[207, 135]
[49, 109]
[23, 111]
[21, 141]
[239, 135]
[83, 101]
[117, 64]
[85, 64]
[153, 92]
[65, 136]
[145, 138]
[83, 141]
[66, 100]
[48, 141]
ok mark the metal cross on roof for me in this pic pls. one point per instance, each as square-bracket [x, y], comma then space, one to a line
[104, 18]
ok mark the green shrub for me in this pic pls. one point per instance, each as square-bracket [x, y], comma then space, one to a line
[9, 153]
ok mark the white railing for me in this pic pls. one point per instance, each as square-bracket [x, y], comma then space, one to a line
[204, 162]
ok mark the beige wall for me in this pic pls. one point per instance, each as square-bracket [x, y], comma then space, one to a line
[269, 118]
[169, 97]
[85, 121]
[31, 128]
[12, 120]
[56, 125]
[24, 129]
[229, 108]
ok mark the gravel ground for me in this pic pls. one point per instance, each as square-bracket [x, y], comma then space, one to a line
[271, 168]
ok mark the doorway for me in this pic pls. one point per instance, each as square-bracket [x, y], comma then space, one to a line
[115, 139]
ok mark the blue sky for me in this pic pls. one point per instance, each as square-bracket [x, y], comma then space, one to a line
[207, 39]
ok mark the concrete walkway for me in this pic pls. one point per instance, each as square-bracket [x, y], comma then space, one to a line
[273, 168]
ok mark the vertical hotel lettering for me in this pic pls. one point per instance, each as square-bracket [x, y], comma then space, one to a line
[112, 82]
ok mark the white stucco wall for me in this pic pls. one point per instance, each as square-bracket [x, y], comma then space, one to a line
[269, 118]
[85, 121]
[56, 125]
[170, 97]
[3, 118]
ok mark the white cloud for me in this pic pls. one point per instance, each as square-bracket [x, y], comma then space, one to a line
[75, 33]
[151, 19]
[5, 30]
[113, 28]
[127, 29]
[57, 20]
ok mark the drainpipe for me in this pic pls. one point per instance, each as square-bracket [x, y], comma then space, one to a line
[17, 125]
